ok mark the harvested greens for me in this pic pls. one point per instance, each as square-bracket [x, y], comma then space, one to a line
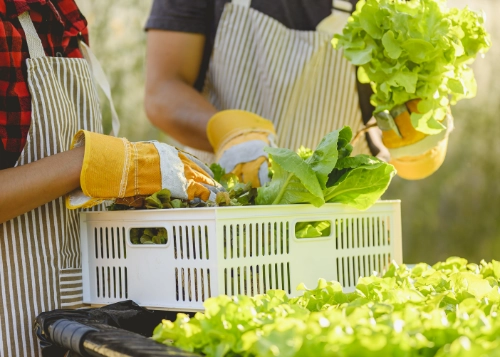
[449, 309]
[150, 235]
[327, 174]
[236, 194]
[415, 49]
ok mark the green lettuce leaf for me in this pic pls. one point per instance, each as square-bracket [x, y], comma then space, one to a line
[359, 181]
[415, 49]
[327, 174]
[324, 158]
[218, 171]
[293, 181]
[312, 229]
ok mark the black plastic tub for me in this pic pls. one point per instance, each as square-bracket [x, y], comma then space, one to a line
[118, 330]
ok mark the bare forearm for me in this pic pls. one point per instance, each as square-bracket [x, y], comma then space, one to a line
[29, 186]
[173, 61]
[181, 111]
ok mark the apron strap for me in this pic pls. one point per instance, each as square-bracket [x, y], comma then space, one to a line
[36, 50]
[35, 46]
[343, 5]
[102, 81]
[244, 3]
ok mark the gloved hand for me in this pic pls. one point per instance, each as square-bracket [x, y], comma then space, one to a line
[238, 138]
[415, 155]
[116, 168]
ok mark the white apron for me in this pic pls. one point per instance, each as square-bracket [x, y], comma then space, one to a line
[293, 78]
[40, 267]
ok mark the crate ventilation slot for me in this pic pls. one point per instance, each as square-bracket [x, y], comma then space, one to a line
[111, 282]
[350, 269]
[256, 240]
[361, 232]
[191, 242]
[257, 279]
[109, 243]
[192, 284]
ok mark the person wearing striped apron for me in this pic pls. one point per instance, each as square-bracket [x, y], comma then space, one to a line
[265, 84]
[263, 69]
[39, 250]
[40, 266]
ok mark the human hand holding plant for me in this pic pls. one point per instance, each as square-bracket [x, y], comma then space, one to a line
[416, 55]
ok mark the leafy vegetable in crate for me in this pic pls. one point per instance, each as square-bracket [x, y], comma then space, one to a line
[236, 194]
[148, 235]
[327, 174]
[416, 55]
[449, 309]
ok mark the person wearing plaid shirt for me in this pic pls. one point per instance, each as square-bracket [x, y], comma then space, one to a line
[63, 26]
[55, 160]
[29, 179]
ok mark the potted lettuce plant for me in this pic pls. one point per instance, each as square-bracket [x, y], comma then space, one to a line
[414, 51]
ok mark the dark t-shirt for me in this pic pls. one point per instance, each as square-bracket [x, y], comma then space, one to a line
[202, 16]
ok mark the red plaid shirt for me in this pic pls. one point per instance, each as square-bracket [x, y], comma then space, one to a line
[58, 23]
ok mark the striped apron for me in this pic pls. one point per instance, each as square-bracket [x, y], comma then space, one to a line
[293, 78]
[40, 268]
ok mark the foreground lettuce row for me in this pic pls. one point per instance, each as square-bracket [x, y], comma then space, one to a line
[449, 309]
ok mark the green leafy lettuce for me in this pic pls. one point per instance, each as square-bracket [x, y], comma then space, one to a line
[415, 49]
[358, 181]
[449, 309]
[235, 194]
[327, 174]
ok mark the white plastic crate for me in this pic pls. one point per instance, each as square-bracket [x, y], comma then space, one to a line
[232, 250]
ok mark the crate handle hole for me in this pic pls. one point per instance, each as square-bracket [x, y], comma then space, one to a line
[313, 229]
[149, 235]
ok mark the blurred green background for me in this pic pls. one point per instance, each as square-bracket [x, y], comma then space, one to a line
[453, 212]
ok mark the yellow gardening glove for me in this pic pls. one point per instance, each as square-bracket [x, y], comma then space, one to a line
[117, 168]
[415, 155]
[238, 138]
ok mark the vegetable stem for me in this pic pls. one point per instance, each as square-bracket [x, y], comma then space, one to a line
[282, 190]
